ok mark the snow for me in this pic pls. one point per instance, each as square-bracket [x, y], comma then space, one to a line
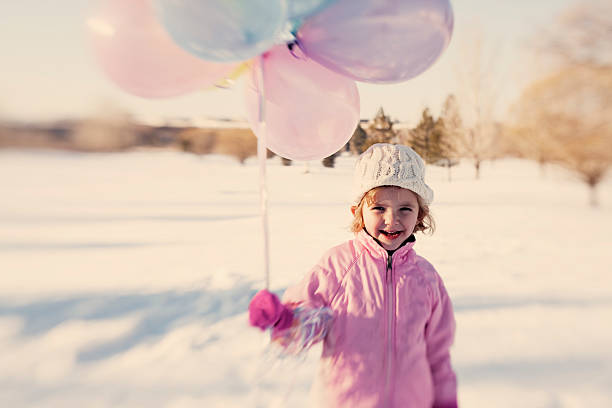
[126, 278]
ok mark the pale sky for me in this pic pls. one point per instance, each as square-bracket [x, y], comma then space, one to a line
[48, 69]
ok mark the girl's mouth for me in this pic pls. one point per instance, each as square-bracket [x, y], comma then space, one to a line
[391, 234]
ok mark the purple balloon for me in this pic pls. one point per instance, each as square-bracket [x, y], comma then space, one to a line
[380, 41]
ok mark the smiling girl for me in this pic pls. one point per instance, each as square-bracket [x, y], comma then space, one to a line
[382, 311]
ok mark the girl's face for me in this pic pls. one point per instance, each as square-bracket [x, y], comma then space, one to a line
[391, 216]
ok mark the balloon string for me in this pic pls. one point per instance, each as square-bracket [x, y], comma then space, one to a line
[262, 156]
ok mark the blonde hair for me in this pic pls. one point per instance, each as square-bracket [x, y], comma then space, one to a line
[425, 222]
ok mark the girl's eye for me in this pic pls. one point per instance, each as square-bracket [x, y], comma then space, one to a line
[378, 208]
[406, 209]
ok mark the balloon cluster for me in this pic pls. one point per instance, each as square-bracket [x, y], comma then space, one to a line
[311, 52]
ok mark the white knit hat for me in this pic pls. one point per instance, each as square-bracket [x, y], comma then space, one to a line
[390, 165]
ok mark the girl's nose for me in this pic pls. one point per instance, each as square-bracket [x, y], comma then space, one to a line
[390, 217]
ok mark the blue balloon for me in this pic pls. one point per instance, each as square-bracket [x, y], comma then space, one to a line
[300, 10]
[223, 30]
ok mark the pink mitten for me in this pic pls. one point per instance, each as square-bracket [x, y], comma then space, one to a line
[266, 310]
[452, 404]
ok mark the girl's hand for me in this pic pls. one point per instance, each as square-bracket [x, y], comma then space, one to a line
[266, 311]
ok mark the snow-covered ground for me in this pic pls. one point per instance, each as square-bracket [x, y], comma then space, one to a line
[125, 279]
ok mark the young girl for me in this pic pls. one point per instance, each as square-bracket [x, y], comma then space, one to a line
[382, 311]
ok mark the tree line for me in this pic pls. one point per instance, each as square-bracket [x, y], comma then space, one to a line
[563, 116]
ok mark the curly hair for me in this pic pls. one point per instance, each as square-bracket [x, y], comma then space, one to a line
[425, 222]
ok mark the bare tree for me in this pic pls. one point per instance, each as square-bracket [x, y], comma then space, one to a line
[567, 114]
[478, 76]
[110, 129]
[581, 35]
[453, 127]
[237, 142]
[526, 140]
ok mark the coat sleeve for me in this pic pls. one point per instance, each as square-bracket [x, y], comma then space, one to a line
[439, 335]
[312, 316]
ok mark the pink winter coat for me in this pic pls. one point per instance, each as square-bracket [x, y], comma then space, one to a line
[388, 342]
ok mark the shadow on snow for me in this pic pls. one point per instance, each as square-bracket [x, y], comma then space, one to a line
[467, 304]
[159, 313]
[78, 219]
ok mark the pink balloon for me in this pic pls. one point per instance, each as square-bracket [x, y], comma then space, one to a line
[380, 41]
[310, 111]
[139, 56]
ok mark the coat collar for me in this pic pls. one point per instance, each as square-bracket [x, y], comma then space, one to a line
[375, 248]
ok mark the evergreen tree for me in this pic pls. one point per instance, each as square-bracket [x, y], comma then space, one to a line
[423, 137]
[330, 161]
[358, 140]
[380, 130]
[430, 139]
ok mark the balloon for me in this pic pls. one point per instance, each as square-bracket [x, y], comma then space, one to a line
[310, 111]
[299, 10]
[223, 30]
[380, 41]
[138, 55]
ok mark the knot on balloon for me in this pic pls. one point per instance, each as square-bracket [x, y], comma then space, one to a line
[296, 50]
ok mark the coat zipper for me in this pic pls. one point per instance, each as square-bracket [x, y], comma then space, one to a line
[390, 311]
